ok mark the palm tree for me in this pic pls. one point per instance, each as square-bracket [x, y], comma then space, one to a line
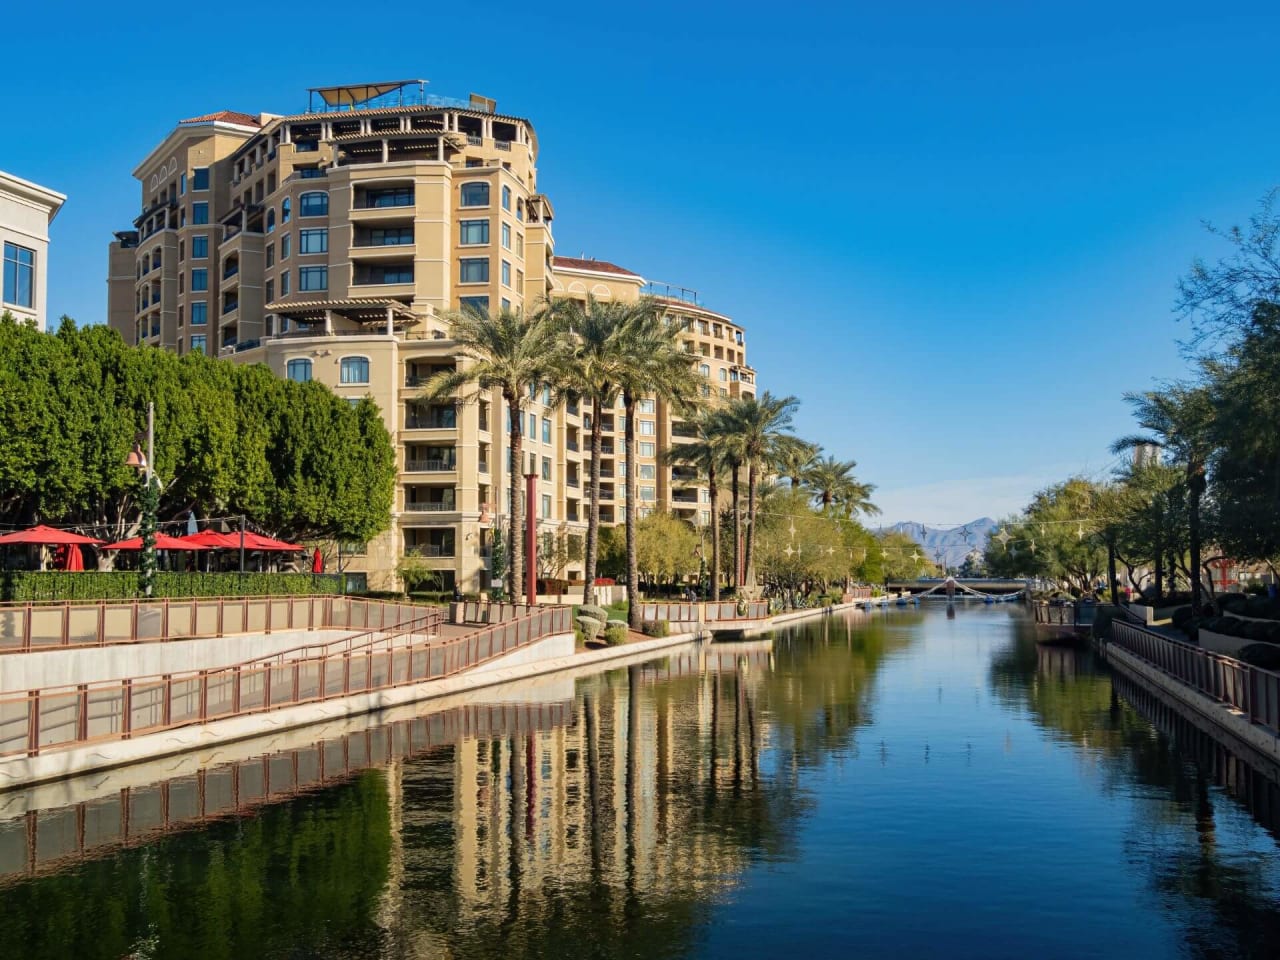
[588, 362]
[655, 366]
[506, 351]
[760, 436]
[833, 483]
[797, 460]
[1178, 420]
[706, 454]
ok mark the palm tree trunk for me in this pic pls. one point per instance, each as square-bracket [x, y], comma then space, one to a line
[633, 563]
[515, 549]
[715, 533]
[749, 569]
[593, 508]
[737, 530]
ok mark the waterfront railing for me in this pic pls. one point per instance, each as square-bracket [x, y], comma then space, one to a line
[25, 627]
[1251, 690]
[57, 718]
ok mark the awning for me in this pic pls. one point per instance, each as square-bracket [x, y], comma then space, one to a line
[163, 542]
[47, 536]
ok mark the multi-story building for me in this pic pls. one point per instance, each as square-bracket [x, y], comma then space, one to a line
[26, 210]
[330, 244]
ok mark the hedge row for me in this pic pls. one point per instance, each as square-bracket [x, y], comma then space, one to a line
[22, 585]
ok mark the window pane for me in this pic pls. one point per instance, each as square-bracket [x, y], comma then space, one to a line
[313, 241]
[197, 344]
[646, 449]
[19, 275]
[474, 303]
[200, 213]
[474, 270]
[199, 247]
[475, 194]
[286, 246]
[506, 198]
[199, 315]
[313, 278]
[474, 231]
[298, 370]
[506, 236]
[506, 274]
[285, 208]
[199, 279]
[355, 370]
[313, 205]
[200, 178]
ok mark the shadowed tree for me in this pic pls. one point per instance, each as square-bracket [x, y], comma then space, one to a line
[1178, 420]
[507, 351]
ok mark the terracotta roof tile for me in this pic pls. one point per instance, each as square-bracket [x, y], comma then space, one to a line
[599, 266]
[226, 116]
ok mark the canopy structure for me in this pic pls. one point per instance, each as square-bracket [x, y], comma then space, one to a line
[212, 540]
[163, 542]
[256, 541]
[45, 536]
[354, 96]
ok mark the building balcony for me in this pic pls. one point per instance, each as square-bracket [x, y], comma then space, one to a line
[377, 252]
[430, 506]
[682, 496]
[430, 421]
[430, 550]
[380, 214]
[573, 482]
[430, 466]
[483, 466]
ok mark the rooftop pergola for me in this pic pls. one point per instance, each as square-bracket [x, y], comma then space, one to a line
[366, 311]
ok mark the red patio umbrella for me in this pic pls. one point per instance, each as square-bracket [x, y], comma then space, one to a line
[256, 541]
[317, 562]
[163, 542]
[211, 540]
[72, 559]
[45, 536]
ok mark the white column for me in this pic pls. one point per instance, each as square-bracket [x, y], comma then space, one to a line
[391, 323]
[328, 323]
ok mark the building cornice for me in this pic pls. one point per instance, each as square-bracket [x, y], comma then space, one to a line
[185, 131]
[48, 200]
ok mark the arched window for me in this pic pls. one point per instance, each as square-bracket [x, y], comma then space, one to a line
[355, 370]
[705, 370]
[724, 374]
[313, 205]
[298, 371]
[475, 194]
[271, 220]
[286, 209]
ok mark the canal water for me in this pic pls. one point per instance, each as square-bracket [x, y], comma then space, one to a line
[897, 784]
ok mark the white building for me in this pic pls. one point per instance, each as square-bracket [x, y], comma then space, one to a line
[26, 210]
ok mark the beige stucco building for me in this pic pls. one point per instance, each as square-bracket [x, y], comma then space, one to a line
[26, 210]
[329, 245]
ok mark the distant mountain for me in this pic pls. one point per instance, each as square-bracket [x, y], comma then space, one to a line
[953, 542]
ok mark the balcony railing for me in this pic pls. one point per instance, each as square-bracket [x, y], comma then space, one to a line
[430, 506]
[573, 482]
[430, 466]
[433, 550]
[483, 466]
[431, 423]
[571, 445]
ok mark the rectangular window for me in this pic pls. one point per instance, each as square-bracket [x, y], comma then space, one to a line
[197, 343]
[271, 291]
[199, 314]
[284, 283]
[199, 247]
[313, 278]
[313, 241]
[706, 517]
[519, 244]
[182, 185]
[200, 178]
[473, 270]
[506, 304]
[546, 506]
[388, 237]
[474, 303]
[389, 197]
[286, 246]
[473, 231]
[313, 205]
[355, 370]
[648, 493]
[506, 198]
[506, 236]
[200, 279]
[506, 274]
[200, 213]
[475, 194]
[546, 394]
[546, 468]
[648, 471]
[271, 254]
[647, 449]
[646, 406]
[19, 275]
[646, 428]
[533, 425]
[546, 430]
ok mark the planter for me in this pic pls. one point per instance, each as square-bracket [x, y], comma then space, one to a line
[1154, 615]
[1221, 642]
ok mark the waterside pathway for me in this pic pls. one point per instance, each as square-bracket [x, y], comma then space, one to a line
[883, 785]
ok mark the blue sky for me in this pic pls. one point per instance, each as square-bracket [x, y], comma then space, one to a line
[953, 230]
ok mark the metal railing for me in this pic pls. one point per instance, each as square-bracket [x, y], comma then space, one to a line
[704, 612]
[432, 465]
[57, 718]
[25, 627]
[1251, 690]
[1065, 614]
[429, 506]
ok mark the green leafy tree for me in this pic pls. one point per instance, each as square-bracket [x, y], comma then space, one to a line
[833, 484]
[666, 547]
[706, 454]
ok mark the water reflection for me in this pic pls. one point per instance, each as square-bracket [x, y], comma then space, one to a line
[825, 792]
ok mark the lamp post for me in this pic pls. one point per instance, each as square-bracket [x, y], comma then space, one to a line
[150, 506]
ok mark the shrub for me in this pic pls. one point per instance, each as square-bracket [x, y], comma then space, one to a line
[589, 626]
[1264, 655]
[22, 585]
[620, 624]
[656, 628]
[593, 611]
[614, 636]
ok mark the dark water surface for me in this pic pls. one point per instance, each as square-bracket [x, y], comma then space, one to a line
[891, 785]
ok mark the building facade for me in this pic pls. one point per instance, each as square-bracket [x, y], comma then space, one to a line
[330, 245]
[26, 210]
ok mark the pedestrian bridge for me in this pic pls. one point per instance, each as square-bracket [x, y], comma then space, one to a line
[993, 586]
